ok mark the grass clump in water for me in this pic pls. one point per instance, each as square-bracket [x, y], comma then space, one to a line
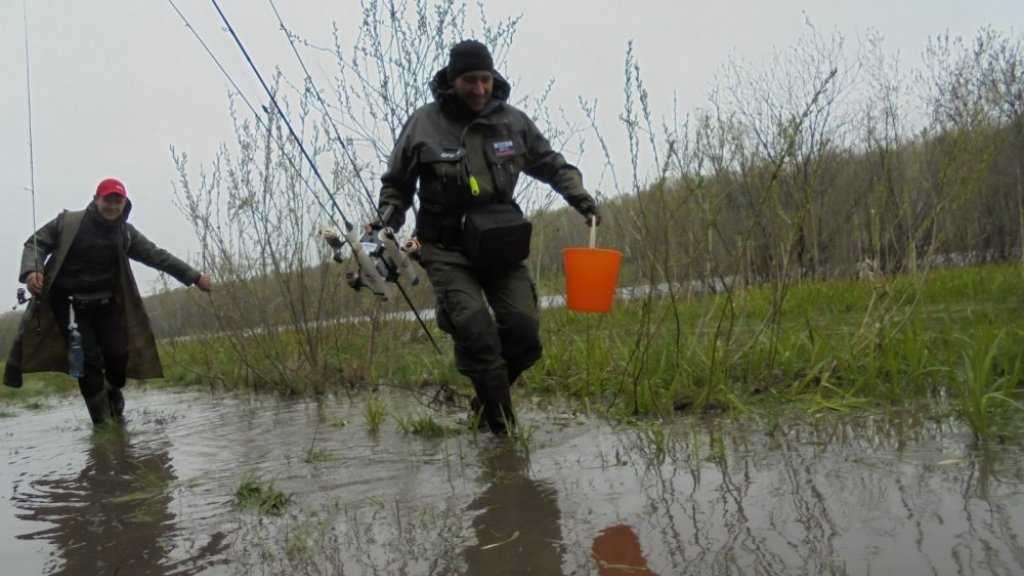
[426, 426]
[254, 494]
[374, 413]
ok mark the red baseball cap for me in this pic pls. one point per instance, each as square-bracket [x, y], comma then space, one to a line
[111, 186]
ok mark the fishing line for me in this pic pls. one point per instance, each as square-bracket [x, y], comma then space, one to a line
[352, 159]
[31, 146]
[370, 276]
[20, 297]
[374, 281]
[323, 106]
[284, 118]
[256, 114]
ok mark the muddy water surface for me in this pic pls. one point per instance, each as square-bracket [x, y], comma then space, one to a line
[859, 495]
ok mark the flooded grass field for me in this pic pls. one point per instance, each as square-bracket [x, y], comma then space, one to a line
[200, 484]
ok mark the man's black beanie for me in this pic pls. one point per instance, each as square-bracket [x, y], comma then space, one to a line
[468, 56]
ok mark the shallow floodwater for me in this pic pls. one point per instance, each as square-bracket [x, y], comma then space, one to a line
[790, 495]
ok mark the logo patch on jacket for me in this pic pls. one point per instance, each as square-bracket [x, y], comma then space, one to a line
[503, 148]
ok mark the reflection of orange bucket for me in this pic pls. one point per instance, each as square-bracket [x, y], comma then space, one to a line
[590, 277]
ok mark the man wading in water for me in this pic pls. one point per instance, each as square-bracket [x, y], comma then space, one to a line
[78, 262]
[466, 151]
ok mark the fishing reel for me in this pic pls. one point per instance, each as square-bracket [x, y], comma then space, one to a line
[333, 239]
[373, 245]
[378, 255]
[369, 243]
[21, 298]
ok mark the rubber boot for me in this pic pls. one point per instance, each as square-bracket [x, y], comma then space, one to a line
[492, 388]
[99, 408]
[475, 405]
[476, 413]
[116, 399]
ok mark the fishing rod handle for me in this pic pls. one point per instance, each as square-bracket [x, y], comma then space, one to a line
[399, 258]
[368, 270]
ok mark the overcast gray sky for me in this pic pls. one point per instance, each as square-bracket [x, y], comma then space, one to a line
[115, 83]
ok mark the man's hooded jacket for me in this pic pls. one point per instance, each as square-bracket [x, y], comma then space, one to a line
[443, 145]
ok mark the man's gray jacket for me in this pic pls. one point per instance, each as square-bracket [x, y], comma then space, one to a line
[460, 161]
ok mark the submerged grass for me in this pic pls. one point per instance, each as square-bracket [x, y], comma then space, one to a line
[375, 411]
[314, 456]
[427, 426]
[986, 391]
[254, 494]
[831, 346]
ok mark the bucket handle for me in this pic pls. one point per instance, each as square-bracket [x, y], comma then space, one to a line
[593, 231]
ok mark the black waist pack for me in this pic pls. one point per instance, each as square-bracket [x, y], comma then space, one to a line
[496, 236]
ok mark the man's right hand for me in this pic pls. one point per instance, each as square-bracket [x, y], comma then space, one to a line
[34, 282]
[205, 283]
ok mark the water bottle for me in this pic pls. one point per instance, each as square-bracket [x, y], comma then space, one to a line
[76, 356]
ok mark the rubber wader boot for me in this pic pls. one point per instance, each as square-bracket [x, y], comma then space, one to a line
[116, 399]
[475, 405]
[476, 413]
[99, 407]
[493, 390]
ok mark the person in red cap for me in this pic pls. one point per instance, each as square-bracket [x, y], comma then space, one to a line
[78, 264]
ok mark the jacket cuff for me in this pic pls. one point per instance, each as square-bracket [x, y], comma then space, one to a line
[192, 277]
[586, 206]
[390, 215]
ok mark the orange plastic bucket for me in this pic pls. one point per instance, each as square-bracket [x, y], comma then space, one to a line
[590, 278]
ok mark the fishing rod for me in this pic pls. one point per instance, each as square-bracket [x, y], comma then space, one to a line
[370, 276]
[20, 295]
[323, 105]
[256, 114]
[373, 281]
[396, 260]
[399, 258]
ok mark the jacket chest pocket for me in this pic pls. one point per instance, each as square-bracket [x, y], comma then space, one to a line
[445, 166]
[504, 151]
[505, 154]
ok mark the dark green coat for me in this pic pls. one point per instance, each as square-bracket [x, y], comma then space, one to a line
[39, 346]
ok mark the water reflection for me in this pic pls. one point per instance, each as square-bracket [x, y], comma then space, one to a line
[113, 516]
[617, 552]
[770, 494]
[517, 521]
[857, 495]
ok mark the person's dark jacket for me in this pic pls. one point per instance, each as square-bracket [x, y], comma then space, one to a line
[439, 148]
[39, 346]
